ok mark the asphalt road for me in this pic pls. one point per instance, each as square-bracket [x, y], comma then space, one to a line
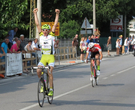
[73, 91]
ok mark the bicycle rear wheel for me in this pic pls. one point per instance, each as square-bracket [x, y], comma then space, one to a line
[41, 92]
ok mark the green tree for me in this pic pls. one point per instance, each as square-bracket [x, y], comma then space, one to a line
[11, 12]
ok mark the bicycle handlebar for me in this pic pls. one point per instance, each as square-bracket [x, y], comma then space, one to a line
[48, 67]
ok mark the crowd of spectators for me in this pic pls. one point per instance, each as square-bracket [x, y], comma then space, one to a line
[13, 44]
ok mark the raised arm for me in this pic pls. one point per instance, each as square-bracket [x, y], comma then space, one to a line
[56, 19]
[36, 19]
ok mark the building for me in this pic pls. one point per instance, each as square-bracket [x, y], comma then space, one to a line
[132, 27]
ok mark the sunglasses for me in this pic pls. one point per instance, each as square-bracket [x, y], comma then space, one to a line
[45, 29]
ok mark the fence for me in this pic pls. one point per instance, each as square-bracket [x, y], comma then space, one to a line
[14, 63]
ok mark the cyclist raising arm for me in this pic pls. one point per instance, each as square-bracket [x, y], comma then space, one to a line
[96, 52]
[47, 41]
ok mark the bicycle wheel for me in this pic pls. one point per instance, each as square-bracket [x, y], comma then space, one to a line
[93, 79]
[50, 98]
[96, 80]
[41, 92]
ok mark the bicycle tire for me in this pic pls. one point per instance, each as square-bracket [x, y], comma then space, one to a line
[50, 98]
[39, 93]
[93, 82]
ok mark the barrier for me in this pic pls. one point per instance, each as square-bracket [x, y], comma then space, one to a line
[2, 69]
[65, 53]
[13, 64]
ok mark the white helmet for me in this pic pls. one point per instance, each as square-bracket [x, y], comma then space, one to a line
[90, 45]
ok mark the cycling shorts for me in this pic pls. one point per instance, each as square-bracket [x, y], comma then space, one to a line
[47, 59]
[93, 54]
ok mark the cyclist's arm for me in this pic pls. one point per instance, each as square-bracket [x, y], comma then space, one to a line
[87, 55]
[36, 19]
[56, 19]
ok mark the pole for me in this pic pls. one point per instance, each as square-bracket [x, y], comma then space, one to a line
[39, 2]
[85, 27]
[125, 26]
[94, 16]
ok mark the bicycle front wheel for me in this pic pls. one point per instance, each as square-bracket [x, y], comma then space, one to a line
[41, 92]
[50, 98]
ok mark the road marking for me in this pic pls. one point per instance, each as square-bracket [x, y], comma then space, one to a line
[126, 70]
[105, 77]
[34, 105]
[113, 75]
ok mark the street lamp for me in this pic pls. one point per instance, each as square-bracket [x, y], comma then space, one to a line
[94, 16]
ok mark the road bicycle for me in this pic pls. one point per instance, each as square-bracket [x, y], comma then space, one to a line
[94, 78]
[43, 83]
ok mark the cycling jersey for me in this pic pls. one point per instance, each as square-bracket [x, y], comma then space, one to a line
[47, 43]
[97, 48]
[47, 48]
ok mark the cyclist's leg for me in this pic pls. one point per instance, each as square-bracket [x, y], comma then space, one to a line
[42, 63]
[98, 61]
[51, 64]
[92, 56]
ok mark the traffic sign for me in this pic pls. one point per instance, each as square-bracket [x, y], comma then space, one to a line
[57, 31]
[84, 32]
[86, 24]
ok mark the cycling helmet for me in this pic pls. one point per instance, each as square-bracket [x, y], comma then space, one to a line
[46, 26]
[91, 45]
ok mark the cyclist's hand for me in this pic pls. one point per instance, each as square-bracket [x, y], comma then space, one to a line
[100, 61]
[57, 11]
[86, 61]
[35, 10]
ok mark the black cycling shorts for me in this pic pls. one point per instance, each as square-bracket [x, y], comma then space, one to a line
[93, 54]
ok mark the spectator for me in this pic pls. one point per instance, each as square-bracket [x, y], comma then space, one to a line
[4, 50]
[56, 45]
[23, 43]
[16, 47]
[120, 37]
[117, 46]
[88, 40]
[15, 39]
[28, 47]
[109, 45]
[83, 49]
[35, 45]
[126, 45]
[75, 44]
[10, 36]
[1, 55]
[94, 39]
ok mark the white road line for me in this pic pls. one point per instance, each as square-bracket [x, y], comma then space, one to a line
[113, 75]
[126, 70]
[34, 105]
[105, 77]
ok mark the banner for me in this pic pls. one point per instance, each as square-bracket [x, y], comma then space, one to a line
[14, 64]
[116, 25]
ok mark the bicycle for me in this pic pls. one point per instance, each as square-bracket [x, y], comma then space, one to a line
[94, 70]
[45, 85]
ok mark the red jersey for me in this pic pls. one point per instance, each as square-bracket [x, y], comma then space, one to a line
[97, 48]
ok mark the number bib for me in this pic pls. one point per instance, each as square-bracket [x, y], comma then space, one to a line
[46, 45]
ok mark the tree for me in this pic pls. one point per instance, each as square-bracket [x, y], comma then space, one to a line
[11, 13]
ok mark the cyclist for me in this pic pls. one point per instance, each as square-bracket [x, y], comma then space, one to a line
[96, 52]
[47, 41]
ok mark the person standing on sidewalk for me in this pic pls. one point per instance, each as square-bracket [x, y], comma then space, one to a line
[75, 44]
[120, 37]
[11, 35]
[109, 45]
[126, 45]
